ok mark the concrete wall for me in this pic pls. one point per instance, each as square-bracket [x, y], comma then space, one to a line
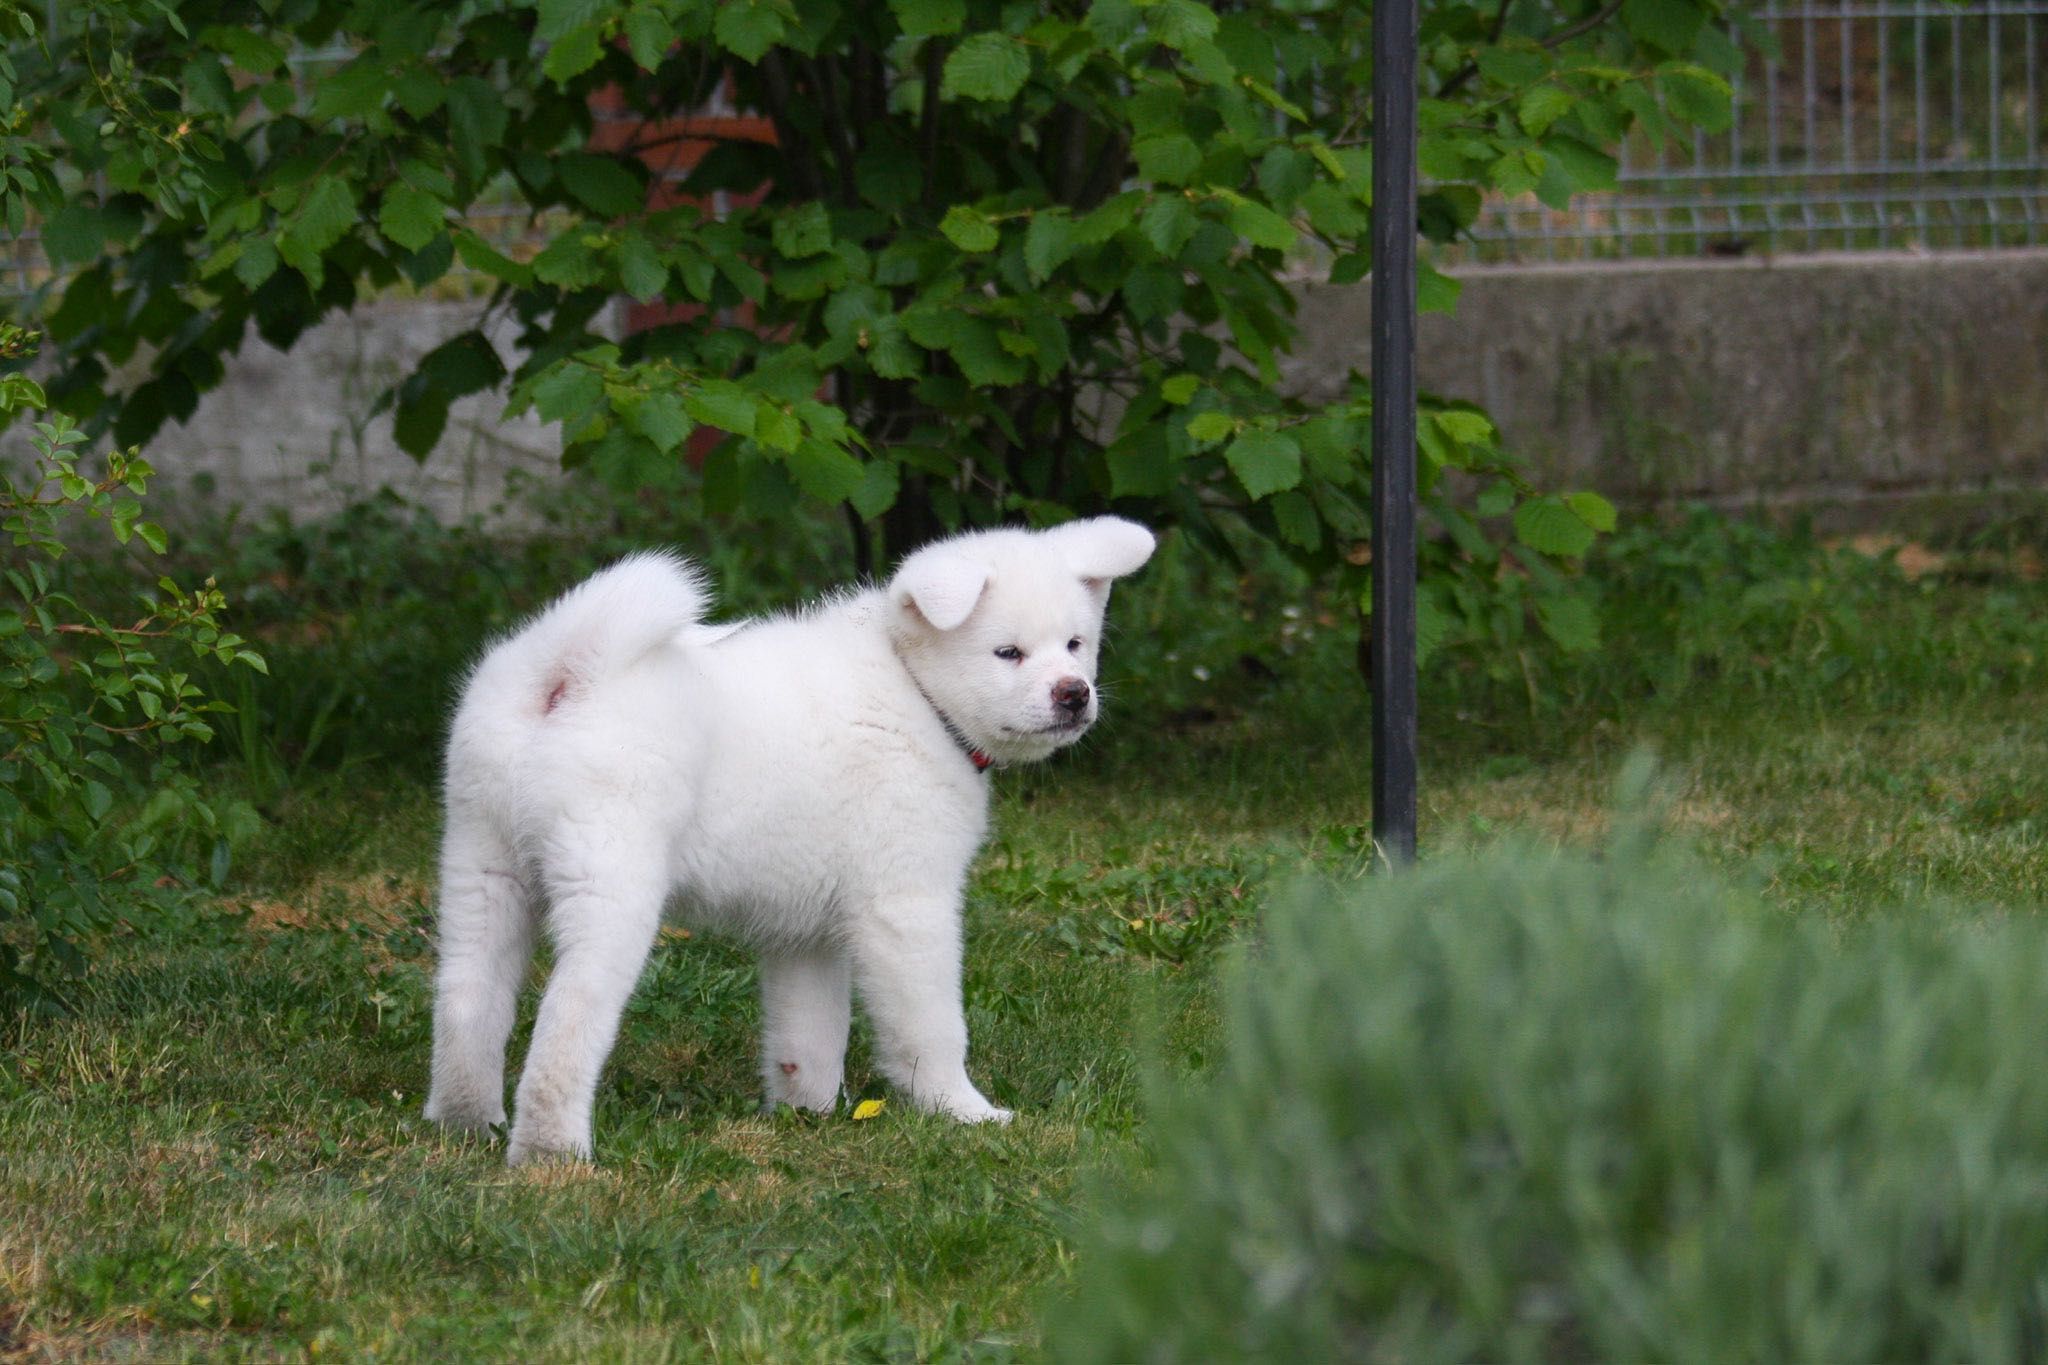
[299, 430]
[1856, 384]
[1864, 386]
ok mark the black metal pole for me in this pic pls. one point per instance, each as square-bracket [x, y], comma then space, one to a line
[1393, 429]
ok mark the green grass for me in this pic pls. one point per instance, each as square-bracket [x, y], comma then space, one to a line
[220, 1156]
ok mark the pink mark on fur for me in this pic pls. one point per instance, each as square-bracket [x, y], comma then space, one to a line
[788, 1068]
[555, 697]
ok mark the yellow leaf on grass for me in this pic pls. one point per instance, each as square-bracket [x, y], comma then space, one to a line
[867, 1109]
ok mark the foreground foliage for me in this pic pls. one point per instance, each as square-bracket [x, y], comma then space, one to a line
[100, 818]
[1533, 1105]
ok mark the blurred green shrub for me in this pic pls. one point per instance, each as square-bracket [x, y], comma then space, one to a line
[1534, 1105]
[101, 824]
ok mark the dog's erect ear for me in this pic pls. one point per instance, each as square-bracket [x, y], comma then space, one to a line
[1103, 547]
[943, 585]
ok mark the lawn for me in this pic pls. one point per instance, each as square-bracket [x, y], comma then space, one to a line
[220, 1155]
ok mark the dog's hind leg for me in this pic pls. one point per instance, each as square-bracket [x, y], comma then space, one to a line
[605, 890]
[485, 940]
[806, 1004]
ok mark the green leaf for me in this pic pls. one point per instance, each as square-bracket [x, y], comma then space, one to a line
[879, 484]
[74, 233]
[464, 364]
[1048, 242]
[1697, 96]
[1141, 464]
[1570, 621]
[602, 184]
[969, 229]
[418, 422]
[1180, 23]
[410, 217]
[251, 52]
[986, 66]
[748, 28]
[1542, 106]
[805, 230]
[1510, 66]
[1435, 292]
[649, 36]
[826, 472]
[557, 17]
[1181, 389]
[977, 348]
[777, 428]
[1171, 159]
[661, 419]
[929, 18]
[327, 214]
[1211, 426]
[723, 404]
[1265, 462]
[476, 123]
[641, 271]
[1261, 226]
[1465, 427]
[1435, 622]
[1496, 500]
[1295, 517]
[572, 54]
[1584, 168]
[568, 392]
[1669, 24]
[1596, 511]
[1168, 222]
[570, 261]
[1549, 527]
[480, 256]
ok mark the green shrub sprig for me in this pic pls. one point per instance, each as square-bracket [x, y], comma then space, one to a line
[97, 813]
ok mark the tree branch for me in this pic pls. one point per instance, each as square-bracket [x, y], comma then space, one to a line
[802, 158]
[928, 121]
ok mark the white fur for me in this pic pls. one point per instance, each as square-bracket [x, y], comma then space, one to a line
[790, 781]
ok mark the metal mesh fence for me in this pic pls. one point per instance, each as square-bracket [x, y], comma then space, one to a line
[1857, 124]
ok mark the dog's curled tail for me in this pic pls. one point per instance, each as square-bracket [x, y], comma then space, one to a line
[607, 623]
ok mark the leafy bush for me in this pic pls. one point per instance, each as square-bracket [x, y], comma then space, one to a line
[98, 818]
[1534, 1105]
[995, 262]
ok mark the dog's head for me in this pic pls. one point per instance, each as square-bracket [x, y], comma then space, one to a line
[1001, 628]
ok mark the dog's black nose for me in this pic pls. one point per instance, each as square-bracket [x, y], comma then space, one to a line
[1070, 695]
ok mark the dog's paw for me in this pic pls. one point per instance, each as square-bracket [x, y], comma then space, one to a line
[972, 1107]
[459, 1118]
[527, 1150]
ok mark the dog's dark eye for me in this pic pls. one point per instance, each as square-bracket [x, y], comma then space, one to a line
[1074, 645]
[1010, 652]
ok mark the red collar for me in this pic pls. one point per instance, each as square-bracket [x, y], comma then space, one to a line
[980, 758]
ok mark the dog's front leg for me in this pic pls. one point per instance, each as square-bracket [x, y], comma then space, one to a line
[806, 1003]
[603, 922]
[907, 961]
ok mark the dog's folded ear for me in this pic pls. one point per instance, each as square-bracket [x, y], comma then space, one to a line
[941, 584]
[1103, 547]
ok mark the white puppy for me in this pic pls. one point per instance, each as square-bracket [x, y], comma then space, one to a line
[811, 783]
